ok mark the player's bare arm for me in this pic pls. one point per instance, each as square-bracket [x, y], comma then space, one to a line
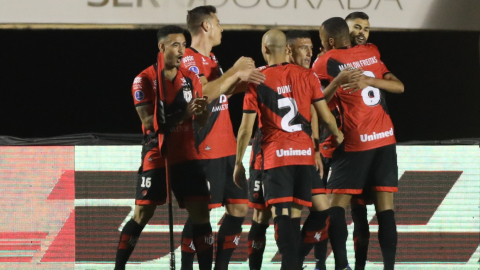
[243, 138]
[316, 141]
[347, 75]
[239, 82]
[389, 83]
[327, 119]
[146, 115]
[225, 85]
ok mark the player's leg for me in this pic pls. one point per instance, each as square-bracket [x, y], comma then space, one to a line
[191, 190]
[151, 191]
[257, 237]
[260, 221]
[385, 183]
[188, 248]
[349, 173]
[236, 206]
[315, 229]
[279, 184]
[361, 230]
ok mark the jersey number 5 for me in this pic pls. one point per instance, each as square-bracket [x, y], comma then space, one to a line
[370, 94]
[288, 118]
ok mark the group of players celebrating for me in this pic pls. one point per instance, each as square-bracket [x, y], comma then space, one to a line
[330, 118]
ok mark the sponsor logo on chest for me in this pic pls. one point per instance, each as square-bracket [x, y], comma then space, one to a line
[223, 104]
[188, 61]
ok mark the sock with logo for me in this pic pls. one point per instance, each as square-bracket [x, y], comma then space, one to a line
[128, 240]
[338, 234]
[228, 238]
[188, 248]
[361, 235]
[203, 240]
[387, 236]
[256, 245]
[286, 242]
[313, 232]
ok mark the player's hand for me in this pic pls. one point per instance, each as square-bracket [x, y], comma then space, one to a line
[244, 63]
[339, 137]
[349, 75]
[360, 83]
[239, 177]
[251, 76]
[197, 105]
[318, 163]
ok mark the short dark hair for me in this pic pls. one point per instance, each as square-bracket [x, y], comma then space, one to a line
[293, 35]
[357, 15]
[197, 16]
[336, 28]
[167, 30]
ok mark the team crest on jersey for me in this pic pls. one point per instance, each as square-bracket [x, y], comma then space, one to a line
[139, 95]
[194, 69]
[187, 93]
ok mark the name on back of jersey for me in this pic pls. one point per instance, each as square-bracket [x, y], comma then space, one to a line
[361, 63]
[284, 89]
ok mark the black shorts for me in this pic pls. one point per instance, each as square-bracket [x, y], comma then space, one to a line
[319, 185]
[255, 190]
[189, 182]
[288, 184]
[353, 171]
[223, 190]
[151, 187]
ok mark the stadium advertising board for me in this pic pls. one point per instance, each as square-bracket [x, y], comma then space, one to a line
[64, 207]
[394, 14]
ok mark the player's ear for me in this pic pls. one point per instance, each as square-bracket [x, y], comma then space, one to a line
[161, 47]
[205, 26]
[288, 50]
[331, 41]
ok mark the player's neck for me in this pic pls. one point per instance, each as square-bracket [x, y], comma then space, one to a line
[201, 45]
[276, 59]
[170, 72]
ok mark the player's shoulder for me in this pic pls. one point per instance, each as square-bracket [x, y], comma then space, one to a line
[370, 47]
[188, 73]
[320, 63]
[146, 74]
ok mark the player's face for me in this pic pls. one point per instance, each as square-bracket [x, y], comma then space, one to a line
[174, 48]
[301, 52]
[215, 30]
[324, 38]
[359, 31]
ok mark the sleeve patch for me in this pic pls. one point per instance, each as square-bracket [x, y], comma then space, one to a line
[139, 95]
[194, 69]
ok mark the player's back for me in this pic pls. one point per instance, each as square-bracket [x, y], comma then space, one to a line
[367, 124]
[284, 101]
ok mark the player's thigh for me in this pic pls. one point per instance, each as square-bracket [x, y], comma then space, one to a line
[262, 216]
[151, 188]
[350, 171]
[233, 195]
[189, 183]
[385, 172]
[255, 190]
[143, 213]
[303, 184]
[319, 202]
[278, 184]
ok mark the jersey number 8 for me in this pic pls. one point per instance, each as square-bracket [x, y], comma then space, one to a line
[370, 94]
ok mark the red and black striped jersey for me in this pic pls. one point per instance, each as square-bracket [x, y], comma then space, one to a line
[366, 123]
[283, 103]
[216, 138]
[175, 96]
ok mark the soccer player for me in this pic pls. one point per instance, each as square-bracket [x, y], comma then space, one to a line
[151, 182]
[283, 105]
[367, 157]
[216, 141]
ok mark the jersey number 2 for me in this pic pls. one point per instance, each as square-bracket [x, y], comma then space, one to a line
[288, 118]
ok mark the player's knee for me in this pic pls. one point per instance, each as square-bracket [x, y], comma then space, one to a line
[198, 212]
[319, 202]
[262, 216]
[283, 209]
[143, 213]
[237, 210]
